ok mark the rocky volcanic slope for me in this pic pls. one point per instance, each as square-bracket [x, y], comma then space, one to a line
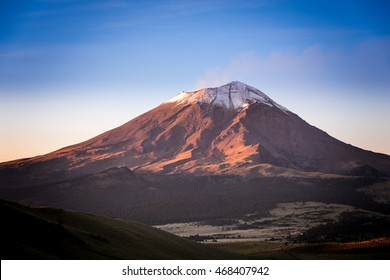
[232, 129]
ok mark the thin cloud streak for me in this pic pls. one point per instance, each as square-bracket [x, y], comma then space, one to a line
[184, 8]
[368, 64]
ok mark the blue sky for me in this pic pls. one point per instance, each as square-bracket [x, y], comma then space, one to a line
[70, 70]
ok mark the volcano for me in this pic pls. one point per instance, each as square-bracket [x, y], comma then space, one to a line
[233, 129]
[214, 153]
[228, 156]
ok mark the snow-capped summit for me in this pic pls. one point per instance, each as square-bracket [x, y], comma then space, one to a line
[234, 95]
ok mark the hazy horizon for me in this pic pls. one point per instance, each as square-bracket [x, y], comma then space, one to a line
[70, 70]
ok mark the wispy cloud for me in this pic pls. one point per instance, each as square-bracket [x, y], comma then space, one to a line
[368, 63]
[277, 65]
[18, 53]
[107, 4]
[65, 6]
[180, 8]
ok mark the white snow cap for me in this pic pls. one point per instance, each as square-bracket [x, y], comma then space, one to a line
[234, 95]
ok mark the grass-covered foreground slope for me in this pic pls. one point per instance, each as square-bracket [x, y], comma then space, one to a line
[48, 233]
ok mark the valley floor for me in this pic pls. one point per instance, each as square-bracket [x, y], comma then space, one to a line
[283, 222]
[300, 230]
[376, 249]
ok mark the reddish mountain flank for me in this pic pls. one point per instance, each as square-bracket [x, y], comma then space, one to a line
[232, 129]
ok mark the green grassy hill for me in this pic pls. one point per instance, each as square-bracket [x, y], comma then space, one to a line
[48, 233]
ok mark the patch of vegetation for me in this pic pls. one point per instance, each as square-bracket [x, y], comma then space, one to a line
[201, 238]
[263, 223]
[246, 226]
[213, 238]
[220, 222]
[352, 226]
